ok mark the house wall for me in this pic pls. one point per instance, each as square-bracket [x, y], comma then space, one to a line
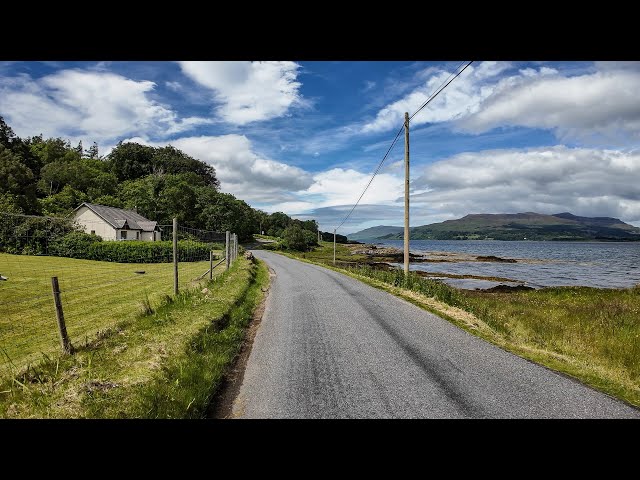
[131, 234]
[91, 221]
[148, 236]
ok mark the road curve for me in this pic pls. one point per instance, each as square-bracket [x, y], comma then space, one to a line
[330, 346]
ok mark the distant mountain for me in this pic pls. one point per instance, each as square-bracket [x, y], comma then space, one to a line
[375, 232]
[522, 226]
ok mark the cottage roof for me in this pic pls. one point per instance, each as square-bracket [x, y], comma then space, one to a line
[121, 218]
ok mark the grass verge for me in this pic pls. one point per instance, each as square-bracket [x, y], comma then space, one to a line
[167, 364]
[588, 333]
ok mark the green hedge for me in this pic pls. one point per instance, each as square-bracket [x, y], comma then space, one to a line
[147, 252]
[90, 247]
[73, 244]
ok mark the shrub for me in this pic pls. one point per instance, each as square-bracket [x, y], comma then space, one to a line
[30, 235]
[310, 238]
[73, 244]
[148, 252]
[293, 238]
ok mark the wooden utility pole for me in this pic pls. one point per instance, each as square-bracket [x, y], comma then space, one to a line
[334, 246]
[319, 237]
[65, 343]
[406, 193]
[227, 249]
[175, 256]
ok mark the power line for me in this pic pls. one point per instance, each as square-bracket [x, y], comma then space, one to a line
[434, 95]
[443, 85]
[373, 176]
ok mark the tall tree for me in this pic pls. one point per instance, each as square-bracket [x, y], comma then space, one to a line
[130, 161]
[16, 182]
[92, 152]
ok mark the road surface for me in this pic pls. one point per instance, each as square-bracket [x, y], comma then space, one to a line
[330, 346]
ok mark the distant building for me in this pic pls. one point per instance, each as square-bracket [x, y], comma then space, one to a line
[112, 223]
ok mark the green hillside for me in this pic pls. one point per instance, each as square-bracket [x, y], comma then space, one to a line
[375, 232]
[523, 226]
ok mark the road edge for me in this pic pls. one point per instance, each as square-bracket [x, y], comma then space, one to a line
[221, 406]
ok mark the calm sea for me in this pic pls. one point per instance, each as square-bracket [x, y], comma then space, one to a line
[594, 264]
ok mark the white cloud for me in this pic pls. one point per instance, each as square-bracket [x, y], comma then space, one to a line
[368, 85]
[461, 97]
[604, 103]
[249, 91]
[555, 179]
[596, 106]
[276, 186]
[241, 171]
[340, 186]
[95, 106]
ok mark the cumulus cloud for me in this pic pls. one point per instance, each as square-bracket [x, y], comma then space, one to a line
[460, 98]
[339, 186]
[98, 106]
[549, 180]
[242, 171]
[604, 104]
[249, 91]
[599, 106]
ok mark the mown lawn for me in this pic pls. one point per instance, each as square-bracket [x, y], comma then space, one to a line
[165, 364]
[95, 296]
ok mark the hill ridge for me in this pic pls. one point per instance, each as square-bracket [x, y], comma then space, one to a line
[513, 226]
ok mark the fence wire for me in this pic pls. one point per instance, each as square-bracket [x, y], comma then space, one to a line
[107, 284]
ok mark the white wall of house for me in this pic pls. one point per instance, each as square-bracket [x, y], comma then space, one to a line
[92, 222]
[131, 234]
[148, 236]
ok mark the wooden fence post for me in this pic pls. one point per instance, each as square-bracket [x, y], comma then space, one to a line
[175, 256]
[210, 264]
[235, 246]
[227, 249]
[65, 343]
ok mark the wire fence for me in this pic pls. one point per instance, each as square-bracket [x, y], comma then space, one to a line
[101, 282]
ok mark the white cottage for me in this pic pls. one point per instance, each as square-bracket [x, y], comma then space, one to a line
[116, 223]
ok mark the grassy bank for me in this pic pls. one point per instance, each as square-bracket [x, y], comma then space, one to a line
[95, 295]
[166, 364]
[591, 334]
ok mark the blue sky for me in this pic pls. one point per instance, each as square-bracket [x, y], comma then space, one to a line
[304, 137]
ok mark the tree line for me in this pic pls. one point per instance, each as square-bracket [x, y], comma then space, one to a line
[51, 177]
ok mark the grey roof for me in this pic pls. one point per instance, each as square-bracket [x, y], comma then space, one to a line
[119, 217]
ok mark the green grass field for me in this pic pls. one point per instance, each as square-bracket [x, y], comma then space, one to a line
[166, 364]
[95, 296]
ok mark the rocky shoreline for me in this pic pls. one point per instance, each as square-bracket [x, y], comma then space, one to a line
[385, 257]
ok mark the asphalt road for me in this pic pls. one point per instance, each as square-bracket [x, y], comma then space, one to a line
[330, 346]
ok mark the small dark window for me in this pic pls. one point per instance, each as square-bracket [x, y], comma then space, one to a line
[93, 232]
[123, 235]
[137, 235]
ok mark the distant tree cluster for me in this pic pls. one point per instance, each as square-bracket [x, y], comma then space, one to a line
[51, 177]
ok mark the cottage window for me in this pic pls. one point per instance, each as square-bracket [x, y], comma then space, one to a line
[93, 232]
[137, 235]
[123, 235]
